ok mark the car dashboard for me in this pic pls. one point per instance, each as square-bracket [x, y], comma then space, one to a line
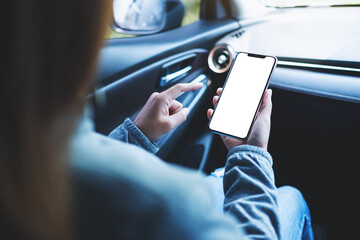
[323, 58]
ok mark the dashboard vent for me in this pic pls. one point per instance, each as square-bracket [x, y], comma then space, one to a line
[237, 34]
[220, 58]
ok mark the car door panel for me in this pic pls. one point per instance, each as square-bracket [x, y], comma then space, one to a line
[124, 97]
[121, 57]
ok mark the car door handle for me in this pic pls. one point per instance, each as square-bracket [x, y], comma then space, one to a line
[168, 79]
[176, 69]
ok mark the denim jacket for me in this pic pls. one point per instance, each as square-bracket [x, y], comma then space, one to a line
[123, 191]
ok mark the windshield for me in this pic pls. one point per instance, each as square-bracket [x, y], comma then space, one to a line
[298, 3]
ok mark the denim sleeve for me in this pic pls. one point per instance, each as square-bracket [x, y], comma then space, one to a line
[128, 132]
[250, 192]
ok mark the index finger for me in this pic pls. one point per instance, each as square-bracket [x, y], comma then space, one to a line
[178, 89]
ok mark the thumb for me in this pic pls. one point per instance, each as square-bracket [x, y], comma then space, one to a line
[179, 117]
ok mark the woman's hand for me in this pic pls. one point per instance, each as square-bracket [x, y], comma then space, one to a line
[162, 113]
[259, 135]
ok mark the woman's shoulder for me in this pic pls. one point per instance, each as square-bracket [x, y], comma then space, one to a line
[121, 186]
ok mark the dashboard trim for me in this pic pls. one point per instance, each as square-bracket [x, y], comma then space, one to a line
[316, 66]
[321, 84]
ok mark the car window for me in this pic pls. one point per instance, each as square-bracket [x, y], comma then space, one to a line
[296, 3]
[192, 14]
[192, 11]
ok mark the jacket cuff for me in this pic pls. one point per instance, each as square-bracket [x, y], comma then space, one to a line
[251, 149]
[139, 137]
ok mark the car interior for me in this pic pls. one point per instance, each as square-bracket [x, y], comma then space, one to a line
[316, 91]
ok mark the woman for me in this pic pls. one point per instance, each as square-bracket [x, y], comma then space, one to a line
[61, 180]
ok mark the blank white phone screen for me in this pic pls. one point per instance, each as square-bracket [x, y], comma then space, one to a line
[241, 95]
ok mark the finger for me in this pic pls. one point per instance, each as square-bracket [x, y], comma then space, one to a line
[210, 113]
[267, 100]
[175, 107]
[178, 118]
[264, 100]
[173, 92]
[264, 103]
[266, 106]
[215, 100]
[218, 91]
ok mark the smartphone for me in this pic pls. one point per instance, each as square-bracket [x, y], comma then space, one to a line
[242, 95]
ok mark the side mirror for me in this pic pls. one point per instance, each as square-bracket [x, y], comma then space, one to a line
[141, 17]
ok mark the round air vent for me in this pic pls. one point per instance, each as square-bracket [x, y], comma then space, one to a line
[220, 59]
